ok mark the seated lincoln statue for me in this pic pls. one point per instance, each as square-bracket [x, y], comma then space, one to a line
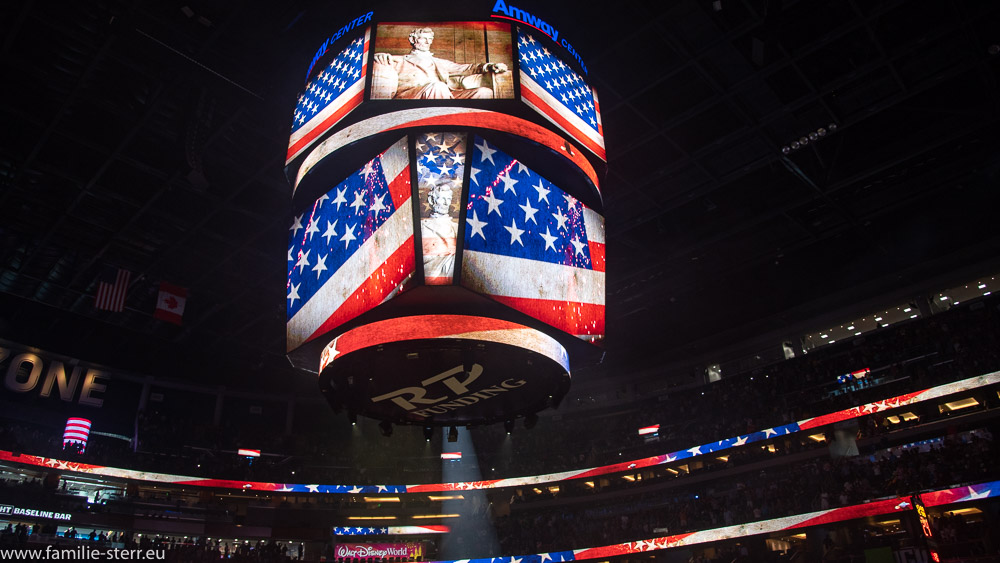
[438, 233]
[421, 75]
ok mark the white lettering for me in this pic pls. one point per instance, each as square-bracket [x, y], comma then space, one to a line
[416, 396]
[90, 385]
[452, 383]
[11, 382]
[57, 374]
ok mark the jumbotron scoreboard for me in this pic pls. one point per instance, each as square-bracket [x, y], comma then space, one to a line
[446, 253]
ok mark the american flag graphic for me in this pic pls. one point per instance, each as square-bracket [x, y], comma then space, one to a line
[440, 161]
[532, 246]
[332, 94]
[353, 249]
[388, 530]
[112, 288]
[553, 89]
[77, 432]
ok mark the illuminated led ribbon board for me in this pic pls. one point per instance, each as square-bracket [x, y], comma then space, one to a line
[787, 523]
[884, 405]
[458, 183]
[389, 530]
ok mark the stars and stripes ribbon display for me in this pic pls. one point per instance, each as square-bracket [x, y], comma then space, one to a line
[351, 250]
[959, 494]
[532, 246]
[389, 530]
[329, 96]
[552, 88]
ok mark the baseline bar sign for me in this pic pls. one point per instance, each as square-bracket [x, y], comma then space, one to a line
[9, 510]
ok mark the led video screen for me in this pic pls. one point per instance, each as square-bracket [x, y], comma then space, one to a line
[553, 89]
[440, 170]
[442, 61]
[532, 246]
[352, 249]
[329, 96]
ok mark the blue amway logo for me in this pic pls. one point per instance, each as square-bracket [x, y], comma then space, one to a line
[514, 13]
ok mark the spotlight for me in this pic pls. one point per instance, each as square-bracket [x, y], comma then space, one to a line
[353, 417]
[453, 434]
[530, 421]
[386, 428]
[428, 432]
[508, 425]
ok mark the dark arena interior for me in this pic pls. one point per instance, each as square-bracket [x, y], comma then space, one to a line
[262, 298]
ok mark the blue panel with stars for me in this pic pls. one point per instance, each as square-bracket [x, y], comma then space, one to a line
[558, 79]
[324, 238]
[342, 72]
[512, 211]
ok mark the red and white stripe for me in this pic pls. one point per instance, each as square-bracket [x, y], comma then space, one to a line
[409, 530]
[320, 123]
[463, 327]
[646, 430]
[539, 99]
[901, 400]
[568, 298]
[77, 432]
[444, 117]
[376, 270]
[111, 296]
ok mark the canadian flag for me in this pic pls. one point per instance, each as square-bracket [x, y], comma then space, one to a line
[170, 303]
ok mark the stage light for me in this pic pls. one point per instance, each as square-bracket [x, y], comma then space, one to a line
[530, 421]
[386, 427]
[353, 417]
[428, 432]
[508, 425]
[453, 434]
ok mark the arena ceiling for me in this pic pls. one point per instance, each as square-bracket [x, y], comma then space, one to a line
[150, 136]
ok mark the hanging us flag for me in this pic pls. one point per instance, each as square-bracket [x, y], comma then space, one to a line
[353, 249]
[332, 94]
[112, 288]
[552, 88]
[532, 246]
